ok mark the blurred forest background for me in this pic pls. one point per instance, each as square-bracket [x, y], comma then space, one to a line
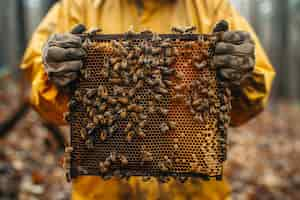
[263, 155]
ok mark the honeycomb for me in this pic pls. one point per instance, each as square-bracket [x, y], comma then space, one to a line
[194, 149]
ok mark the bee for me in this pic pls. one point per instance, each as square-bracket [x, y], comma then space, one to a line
[81, 170]
[181, 87]
[131, 92]
[123, 114]
[197, 57]
[86, 101]
[156, 50]
[177, 30]
[85, 74]
[123, 160]
[103, 135]
[96, 120]
[204, 91]
[194, 167]
[164, 127]
[90, 125]
[103, 107]
[140, 133]
[107, 163]
[111, 101]
[114, 60]
[102, 168]
[158, 97]
[129, 136]
[69, 149]
[176, 147]
[194, 157]
[201, 65]
[112, 129]
[151, 109]
[211, 94]
[172, 125]
[168, 83]
[155, 37]
[116, 80]
[101, 119]
[169, 60]
[90, 143]
[196, 102]
[163, 111]
[168, 161]
[123, 100]
[227, 91]
[168, 52]
[142, 116]
[179, 75]
[188, 45]
[165, 44]
[72, 104]
[212, 110]
[113, 156]
[92, 112]
[124, 64]
[131, 107]
[67, 116]
[199, 118]
[179, 98]
[130, 55]
[139, 84]
[223, 108]
[175, 51]
[140, 73]
[204, 53]
[142, 124]
[116, 67]
[146, 178]
[146, 156]
[150, 82]
[83, 133]
[128, 127]
[78, 95]
[189, 29]
[162, 167]
[110, 120]
[134, 116]
[102, 92]
[224, 118]
[141, 60]
[162, 90]
[183, 179]
[134, 78]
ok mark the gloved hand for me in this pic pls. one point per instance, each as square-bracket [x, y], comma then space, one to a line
[62, 56]
[234, 55]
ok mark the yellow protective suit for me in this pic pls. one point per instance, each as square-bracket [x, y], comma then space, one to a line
[116, 16]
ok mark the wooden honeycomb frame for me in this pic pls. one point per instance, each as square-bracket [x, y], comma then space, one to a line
[202, 140]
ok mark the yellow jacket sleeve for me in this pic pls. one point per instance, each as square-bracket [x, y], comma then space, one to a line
[251, 99]
[45, 97]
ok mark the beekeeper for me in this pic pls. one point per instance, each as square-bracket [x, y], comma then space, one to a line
[54, 56]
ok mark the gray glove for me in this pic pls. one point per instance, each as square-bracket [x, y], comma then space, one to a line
[62, 56]
[234, 55]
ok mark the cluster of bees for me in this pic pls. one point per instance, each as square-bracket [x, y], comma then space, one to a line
[136, 67]
[131, 68]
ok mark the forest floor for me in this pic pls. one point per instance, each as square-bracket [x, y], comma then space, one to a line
[263, 158]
